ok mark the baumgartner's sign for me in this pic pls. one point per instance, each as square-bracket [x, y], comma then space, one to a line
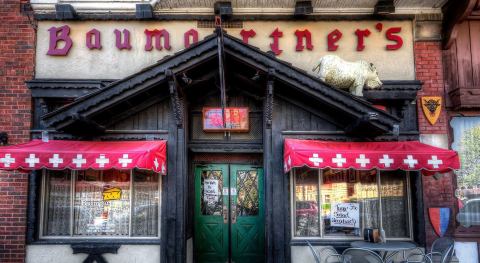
[301, 43]
[303, 37]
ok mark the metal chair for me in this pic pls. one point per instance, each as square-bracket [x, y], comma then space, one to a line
[315, 254]
[329, 254]
[441, 252]
[360, 255]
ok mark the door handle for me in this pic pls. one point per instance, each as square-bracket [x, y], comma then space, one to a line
[225, 213]
[234, 211]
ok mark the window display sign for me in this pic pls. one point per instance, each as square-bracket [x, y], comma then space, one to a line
[113, 193]
[345, 215]
[210, 191]
[236, 119]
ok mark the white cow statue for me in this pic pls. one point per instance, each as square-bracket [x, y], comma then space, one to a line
[352, 76]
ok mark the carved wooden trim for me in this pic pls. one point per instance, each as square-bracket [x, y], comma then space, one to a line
[95, 251]
[268, 111]
[177, 108]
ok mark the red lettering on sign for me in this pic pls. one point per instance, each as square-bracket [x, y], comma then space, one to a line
[391, 35]
[308, 39]
[157, 34]
[276, 34]
[186, 37]
[126, 39]
[379, 27]
[361, 34]
[332, 38]
[246, 34]
[58, 34]
[93, 39]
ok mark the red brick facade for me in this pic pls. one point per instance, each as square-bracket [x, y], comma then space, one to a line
[429, 70]
[17, 42]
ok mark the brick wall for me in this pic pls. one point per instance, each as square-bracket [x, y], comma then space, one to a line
[17, 39]
[429, 70]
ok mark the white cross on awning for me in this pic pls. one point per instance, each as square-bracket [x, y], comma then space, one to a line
[339, 160]
[410, 161]
[124, 161]
[55, 160]
[79, 161]
[435, 162]
[7, 160]
[315, 159]
[386, 160]
[32, 160]
[101, 161]
[362, 160]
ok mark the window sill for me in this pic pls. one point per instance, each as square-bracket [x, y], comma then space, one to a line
[337, 244]
[124, 241]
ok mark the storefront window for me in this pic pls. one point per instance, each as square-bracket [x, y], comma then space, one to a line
[112, 203]
[334, 203]
[467, 143]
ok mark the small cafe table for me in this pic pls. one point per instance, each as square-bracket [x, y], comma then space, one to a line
[384, 248]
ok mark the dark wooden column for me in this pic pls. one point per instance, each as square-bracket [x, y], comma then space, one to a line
[174, 199]
[279, 198]
[268, 163]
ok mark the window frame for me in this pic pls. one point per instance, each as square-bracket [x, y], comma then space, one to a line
[293, 220]
[73, 177]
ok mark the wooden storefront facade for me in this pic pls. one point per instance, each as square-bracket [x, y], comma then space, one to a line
[225, 195]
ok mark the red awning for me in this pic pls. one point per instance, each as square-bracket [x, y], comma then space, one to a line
[81, 155]
[409, 156]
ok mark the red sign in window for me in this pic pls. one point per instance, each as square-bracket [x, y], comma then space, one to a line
[236, 119]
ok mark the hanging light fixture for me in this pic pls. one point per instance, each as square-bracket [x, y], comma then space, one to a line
[384, 7]
[303, 8]
[223, 9]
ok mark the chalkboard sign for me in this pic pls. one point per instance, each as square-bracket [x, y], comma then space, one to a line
[345, 215]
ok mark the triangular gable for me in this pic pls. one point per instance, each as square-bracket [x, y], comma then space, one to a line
[100, 100]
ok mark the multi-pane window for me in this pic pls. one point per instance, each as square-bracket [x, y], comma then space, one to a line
[335, 203]
[111, 203]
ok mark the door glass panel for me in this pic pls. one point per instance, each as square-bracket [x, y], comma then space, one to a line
[212, 196]
[247, 193]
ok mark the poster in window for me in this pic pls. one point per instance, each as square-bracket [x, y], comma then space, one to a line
[210, 191]
[345, 215]
[236, 119]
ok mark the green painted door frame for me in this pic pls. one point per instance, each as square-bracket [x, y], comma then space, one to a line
[229, 214]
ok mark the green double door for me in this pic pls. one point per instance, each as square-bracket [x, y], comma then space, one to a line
[229, 214]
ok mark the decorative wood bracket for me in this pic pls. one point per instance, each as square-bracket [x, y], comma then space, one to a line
[93, 127]
[175, 100]
[269, 98]
[362, 126]
[95, 251]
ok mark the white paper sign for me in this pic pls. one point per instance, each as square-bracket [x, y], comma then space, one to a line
[345, 215]
[210, 191]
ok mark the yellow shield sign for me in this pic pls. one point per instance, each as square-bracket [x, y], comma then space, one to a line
[432, 106]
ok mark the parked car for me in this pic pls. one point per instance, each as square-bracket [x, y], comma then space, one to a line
[469, 215]
[307, 208]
